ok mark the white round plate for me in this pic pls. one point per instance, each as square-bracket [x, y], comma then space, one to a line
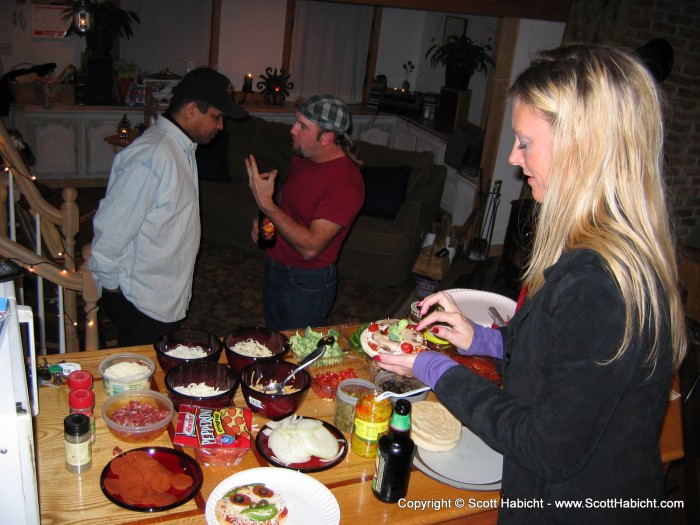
[475, 304]
[472, 461]
[308, 500]
[452, 483]
[366, 334]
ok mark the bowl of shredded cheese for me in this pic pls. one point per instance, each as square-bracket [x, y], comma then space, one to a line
[254, 344]
[124, 372]
[187, 345]
[255, 379]
[203, 384]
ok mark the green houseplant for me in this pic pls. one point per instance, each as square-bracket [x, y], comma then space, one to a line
[462, 57]
[109, 22]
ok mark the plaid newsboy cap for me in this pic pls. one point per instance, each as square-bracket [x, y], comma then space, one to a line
[329, 112]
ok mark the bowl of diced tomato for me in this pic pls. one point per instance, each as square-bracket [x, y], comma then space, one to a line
[326, 384]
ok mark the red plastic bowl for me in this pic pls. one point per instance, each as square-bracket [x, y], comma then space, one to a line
[191, 337]
[211, 374]
[275, 341]
[274, 406]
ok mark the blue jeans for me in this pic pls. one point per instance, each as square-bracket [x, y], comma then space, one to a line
[297, 297]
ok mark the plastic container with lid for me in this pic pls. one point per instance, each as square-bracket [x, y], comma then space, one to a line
[115, 381]
[349, 391]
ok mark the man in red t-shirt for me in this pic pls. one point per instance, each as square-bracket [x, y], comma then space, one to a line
[322, 196]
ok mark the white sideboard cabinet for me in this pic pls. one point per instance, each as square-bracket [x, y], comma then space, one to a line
[68, 141]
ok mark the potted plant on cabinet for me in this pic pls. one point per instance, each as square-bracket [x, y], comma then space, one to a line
[462, 57]
[107, 23]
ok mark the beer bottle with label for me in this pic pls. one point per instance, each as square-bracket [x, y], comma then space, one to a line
[392, 469]
[267, 234]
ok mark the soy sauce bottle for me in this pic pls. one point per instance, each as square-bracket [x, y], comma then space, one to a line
[267, 234]
[392, 468]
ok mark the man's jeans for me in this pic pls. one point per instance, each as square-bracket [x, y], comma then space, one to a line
[297, 297]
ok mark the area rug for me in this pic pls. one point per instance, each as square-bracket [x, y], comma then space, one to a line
[227, 293]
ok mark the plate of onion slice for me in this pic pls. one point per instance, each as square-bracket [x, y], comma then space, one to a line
[303, 444]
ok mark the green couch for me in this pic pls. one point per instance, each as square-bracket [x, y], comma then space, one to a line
[379, 249]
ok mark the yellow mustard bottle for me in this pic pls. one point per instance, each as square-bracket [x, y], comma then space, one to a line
[371, 422]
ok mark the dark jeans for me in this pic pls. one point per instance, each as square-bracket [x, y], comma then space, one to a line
[134, 328]
[296, 297]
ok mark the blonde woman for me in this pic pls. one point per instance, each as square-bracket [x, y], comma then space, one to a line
[588, 359]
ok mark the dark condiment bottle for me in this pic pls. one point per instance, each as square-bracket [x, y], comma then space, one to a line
[267, 234]
[392, 468]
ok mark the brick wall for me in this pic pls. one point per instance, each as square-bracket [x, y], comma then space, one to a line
[678, 21]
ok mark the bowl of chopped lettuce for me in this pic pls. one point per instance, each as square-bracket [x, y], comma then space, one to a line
[254, 344]
[303, 343]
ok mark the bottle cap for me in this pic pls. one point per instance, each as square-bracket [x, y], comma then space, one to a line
[76, 424]
[80, 379]
[81, 399]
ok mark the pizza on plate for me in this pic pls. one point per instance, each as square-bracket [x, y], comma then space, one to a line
[252, 504]
[392, 336]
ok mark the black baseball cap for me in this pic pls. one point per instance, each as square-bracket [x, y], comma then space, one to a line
[206, 85]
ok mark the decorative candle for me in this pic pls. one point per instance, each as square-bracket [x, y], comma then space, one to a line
[248, 83]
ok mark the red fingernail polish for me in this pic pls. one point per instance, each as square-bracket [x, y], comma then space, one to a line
[435, 329]
[377, 358]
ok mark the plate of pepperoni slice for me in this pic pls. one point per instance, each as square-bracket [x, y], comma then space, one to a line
[151, 479]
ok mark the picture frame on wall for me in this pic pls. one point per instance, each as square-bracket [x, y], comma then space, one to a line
[454, 26]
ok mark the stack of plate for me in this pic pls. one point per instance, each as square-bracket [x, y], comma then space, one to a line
[475, 304]
[472, 465]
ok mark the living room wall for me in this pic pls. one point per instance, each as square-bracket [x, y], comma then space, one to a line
[174, 32]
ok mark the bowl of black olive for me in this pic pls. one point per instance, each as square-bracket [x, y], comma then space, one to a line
[391, 382]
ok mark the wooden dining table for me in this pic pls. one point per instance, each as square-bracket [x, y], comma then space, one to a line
[78, 499]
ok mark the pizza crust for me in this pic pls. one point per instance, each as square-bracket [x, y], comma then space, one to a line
[433, 427]
[384, 345]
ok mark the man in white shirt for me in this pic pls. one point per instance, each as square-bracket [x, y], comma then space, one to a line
[147, 228]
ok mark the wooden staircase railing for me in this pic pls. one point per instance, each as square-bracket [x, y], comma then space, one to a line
[67, 219]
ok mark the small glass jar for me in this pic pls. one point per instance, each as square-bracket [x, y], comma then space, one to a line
[80, 379]
[82, 401]
[76, 429]
[371, 422]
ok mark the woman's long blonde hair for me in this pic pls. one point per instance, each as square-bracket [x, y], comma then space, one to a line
[606, 189]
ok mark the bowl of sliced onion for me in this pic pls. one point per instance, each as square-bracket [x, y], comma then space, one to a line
[254, 344]
[187, 345]
[204, 384]
[257, 376]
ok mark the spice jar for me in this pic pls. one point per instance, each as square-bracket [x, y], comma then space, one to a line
[371, 422]
[76, 429]
[80, 379]
[82, 401]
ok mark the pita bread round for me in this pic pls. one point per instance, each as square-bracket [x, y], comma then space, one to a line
[433, 427]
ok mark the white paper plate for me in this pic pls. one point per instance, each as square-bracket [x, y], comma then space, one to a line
[365, 337]
[475, 304]
[472, 461]
[308, 500]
